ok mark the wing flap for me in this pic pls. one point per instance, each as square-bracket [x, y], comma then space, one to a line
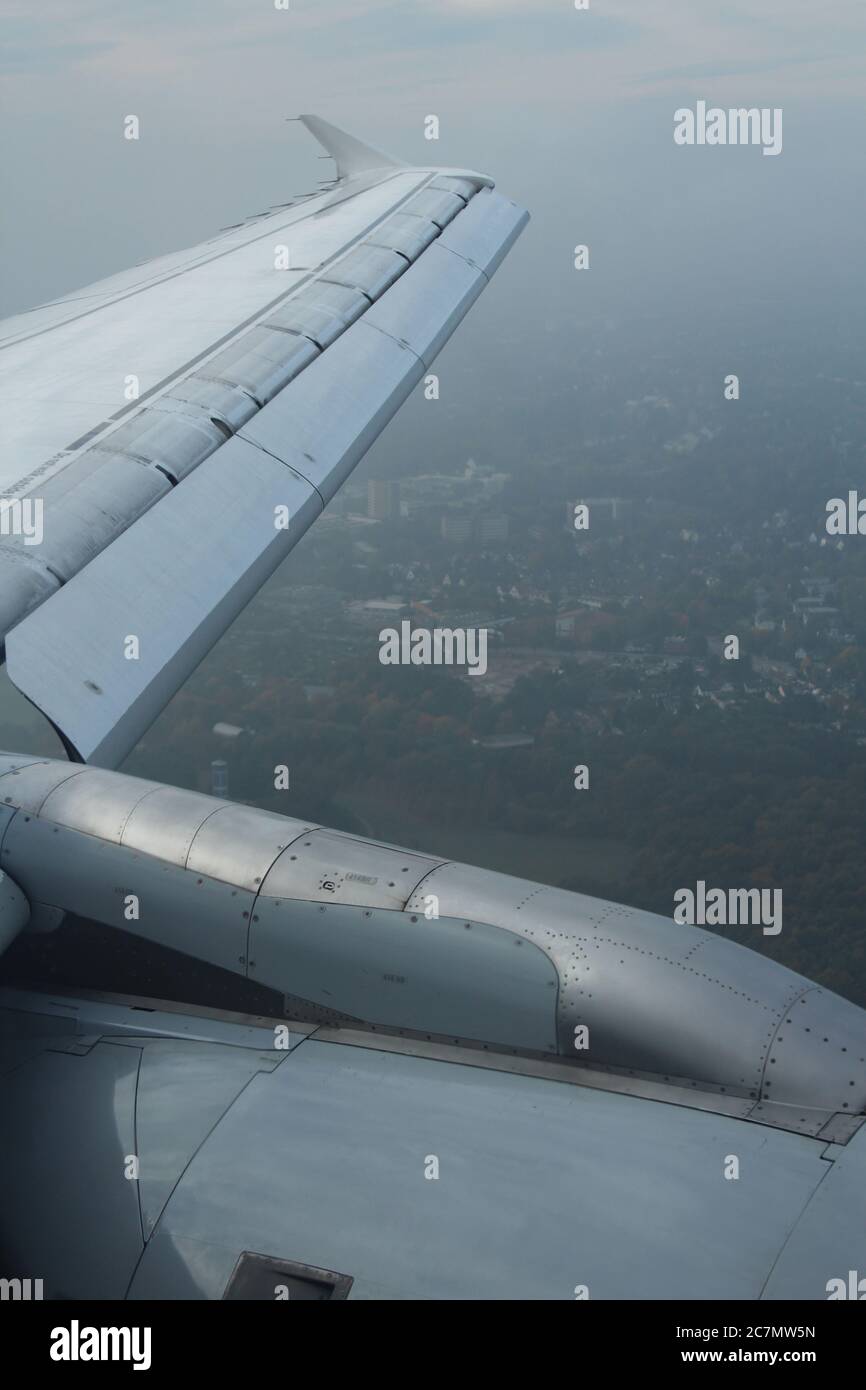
[104, 656]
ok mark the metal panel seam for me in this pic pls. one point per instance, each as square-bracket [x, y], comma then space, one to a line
[245, 439]
[14, 810]
[791, 1002]
[198, 831]
[259, 890]
[473, 265]
[805, 1207]
[200, 1145]
[401, 342]
[444, 865]
[135, 1143]
[74, 771]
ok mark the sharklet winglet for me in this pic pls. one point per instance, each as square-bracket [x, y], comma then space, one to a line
[352, 156]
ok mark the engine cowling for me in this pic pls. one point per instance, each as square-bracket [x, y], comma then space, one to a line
[395, 939]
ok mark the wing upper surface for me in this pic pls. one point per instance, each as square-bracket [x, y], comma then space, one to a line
[64, 366]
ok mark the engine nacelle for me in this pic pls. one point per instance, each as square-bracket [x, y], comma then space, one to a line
[398, 940]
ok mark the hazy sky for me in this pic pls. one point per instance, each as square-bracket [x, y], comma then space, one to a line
[572, 112]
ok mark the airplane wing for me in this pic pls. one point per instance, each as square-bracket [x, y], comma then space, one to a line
[262, 365]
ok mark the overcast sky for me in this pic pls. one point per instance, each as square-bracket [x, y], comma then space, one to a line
[572, 112]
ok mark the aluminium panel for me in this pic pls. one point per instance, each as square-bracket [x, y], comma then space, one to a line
[24, 584]
[90, 504]
[239, 844]
[95, 879]
[827, 1243]
[325, 866]
[184, 1088]
[368, 268]
[29, 787]
[436, 205]
[177, 441]
[543, 1187]
[426, 305]
[70, 1216]
[464, 188]
[165, 823]
[10, 762]
[346, 303]
[619, 969]
[96, 802]
[160, 584]
[399, 971]
[261, 363]
[833, 1068]
[408, 235]
[321, 311]
[323, 423]
[318, 326]
[522, 1063]
[220, 400]
[486, 231]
